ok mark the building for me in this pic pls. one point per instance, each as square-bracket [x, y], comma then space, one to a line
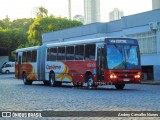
[145, 27]
[115, 14]
[155, 4]
[79, 18]
[91, 11]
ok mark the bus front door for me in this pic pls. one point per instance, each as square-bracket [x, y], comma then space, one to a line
[100, 63]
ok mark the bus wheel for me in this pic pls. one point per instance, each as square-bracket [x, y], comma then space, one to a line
[52, 81]
[119, 86]
[7, 71]
[46, 82]
[58, 83]
[90, 82]
[25, 81]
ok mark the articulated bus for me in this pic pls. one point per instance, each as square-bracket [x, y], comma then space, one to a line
[89, 63]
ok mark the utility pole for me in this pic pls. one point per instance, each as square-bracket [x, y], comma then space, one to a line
[69, 9]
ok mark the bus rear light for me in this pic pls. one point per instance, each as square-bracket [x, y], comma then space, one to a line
[113, 76]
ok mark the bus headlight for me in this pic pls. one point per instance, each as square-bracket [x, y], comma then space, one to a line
[113, 76]
[137, 76]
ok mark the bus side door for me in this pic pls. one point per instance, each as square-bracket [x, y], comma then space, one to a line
[19, 64]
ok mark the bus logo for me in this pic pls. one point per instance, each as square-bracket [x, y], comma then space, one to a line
[6, 114]
[53, 67]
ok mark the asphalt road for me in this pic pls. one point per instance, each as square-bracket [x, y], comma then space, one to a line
[15, 96]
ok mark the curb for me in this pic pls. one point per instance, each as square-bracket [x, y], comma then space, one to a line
[150, 82]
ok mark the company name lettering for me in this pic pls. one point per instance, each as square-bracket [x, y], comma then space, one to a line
[53, 67]
[91, 65]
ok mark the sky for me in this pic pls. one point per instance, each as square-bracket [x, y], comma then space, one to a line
[25, 8]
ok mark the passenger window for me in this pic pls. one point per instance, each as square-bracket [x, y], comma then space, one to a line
[24, 57]
[61, 53]
[29, 56]
[8, 65]
[90, 52]
[70, 53]
[79, 52]
[34, 56]
[48, 54]
[16, 59]
[53, 54]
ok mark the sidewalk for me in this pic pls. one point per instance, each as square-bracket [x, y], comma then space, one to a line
[151, 82]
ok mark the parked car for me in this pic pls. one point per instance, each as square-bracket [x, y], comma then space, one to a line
[8, 67]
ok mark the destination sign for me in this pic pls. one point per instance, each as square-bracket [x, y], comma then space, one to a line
[120, 41]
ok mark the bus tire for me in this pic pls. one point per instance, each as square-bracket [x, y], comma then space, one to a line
[7, 71]
[119, 86]
[46, 82]
[25, 81]
[52, 81]
[90, 82]
[58, 83]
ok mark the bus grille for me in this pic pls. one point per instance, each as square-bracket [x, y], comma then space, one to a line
[126, 73]
[125, 77]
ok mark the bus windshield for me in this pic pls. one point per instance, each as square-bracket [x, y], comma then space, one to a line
[3, 65]
[122, 57]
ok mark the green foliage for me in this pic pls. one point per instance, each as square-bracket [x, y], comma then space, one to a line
[2, 25]
[5, 23]
[14, 34]
[21, 33]
[12, 38]
[48, 24]
[25, 32]
[42, 12]
[22, 23]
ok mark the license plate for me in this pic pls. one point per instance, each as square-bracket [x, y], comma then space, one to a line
[126, 79]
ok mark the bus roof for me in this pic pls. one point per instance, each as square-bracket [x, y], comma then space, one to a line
[68, 43]
[94, 40]
[87, 41]
[27, 49]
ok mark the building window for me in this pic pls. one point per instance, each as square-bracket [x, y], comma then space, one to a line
[147, 42]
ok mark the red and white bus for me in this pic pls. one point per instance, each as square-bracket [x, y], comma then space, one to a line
[90, 62]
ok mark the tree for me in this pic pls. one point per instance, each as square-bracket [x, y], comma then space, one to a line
[42, 12]
[2, 25]
[48, 24]
[12, 38]
[14, 34]
[22, 23]
[5, 23]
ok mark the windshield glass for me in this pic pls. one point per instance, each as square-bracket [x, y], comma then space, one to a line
[122, 57]
[3, 65]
